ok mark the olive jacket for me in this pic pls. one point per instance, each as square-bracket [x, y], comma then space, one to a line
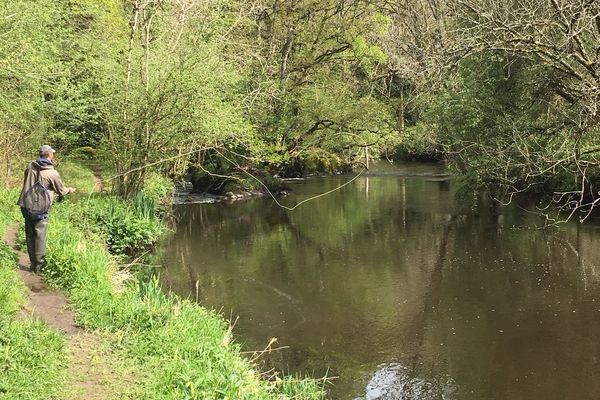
[49, 176]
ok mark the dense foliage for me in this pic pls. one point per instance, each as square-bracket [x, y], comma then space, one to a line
[513, 93]
[507, 93]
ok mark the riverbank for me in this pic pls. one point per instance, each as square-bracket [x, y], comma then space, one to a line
[176, 348]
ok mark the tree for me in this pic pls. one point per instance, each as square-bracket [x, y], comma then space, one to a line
[515, 93]
[419, 49]
[30, 67]
[555, 43]
[171, 92]
[312, 81]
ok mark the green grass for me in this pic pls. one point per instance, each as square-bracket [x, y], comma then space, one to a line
[76, 175]
[32, 356]
[11, 293]
[180, 349]
[32, 360]
[183, 351]
[9, 212]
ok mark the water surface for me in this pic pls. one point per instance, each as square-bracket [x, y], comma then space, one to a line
[392, 286]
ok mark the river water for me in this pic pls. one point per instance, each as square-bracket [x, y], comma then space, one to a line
[394, 288]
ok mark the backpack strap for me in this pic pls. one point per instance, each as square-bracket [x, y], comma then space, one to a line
[39, 178]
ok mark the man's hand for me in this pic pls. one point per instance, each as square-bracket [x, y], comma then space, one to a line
[72, 190]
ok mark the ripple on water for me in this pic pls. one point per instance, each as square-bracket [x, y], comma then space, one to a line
[394, 382]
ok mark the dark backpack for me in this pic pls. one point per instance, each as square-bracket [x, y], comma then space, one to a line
[36, 200]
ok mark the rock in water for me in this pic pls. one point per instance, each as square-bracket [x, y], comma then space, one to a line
[393, 382]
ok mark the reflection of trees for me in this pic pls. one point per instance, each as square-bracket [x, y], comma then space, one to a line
[516, 317]
[353, 215]
[432, 294]
[343, 216]
[343, 245]
[361, 259]
[399, 279]
[205, 220]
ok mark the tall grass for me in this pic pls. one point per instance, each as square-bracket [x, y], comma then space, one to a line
[32, 360]
[11, 293]
[75, 174]
[144, 206]
[182, 350]
[9, 212]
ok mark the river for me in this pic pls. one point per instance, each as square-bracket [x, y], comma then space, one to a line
[395, 289]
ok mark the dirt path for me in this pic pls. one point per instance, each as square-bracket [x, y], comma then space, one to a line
[48, 305]
[92, 373]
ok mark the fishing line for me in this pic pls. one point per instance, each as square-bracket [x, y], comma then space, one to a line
[260, 182]
[158, 162]
[100, 181]
[303, 201]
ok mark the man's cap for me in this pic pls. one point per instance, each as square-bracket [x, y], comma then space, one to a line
[47, 149]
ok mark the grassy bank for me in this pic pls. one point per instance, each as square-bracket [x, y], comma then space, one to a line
[32, 357]
[180, 349]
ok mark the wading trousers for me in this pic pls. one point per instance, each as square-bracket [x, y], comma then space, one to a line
[35, 232]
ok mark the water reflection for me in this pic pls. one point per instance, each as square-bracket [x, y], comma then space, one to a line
[391, 270]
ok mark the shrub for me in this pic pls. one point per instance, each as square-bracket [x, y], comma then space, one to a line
[127, 234]
[125, 230]
[418, 142]
[158, 188]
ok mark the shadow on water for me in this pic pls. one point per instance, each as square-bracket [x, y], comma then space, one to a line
[390, 286]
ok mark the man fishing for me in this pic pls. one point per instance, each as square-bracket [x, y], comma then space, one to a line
[40, 184]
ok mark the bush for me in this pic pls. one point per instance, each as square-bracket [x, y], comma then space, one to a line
[127, 234]
[314, 161]
[419, 142]
[126, 230]
[158, 188]
[85, 153]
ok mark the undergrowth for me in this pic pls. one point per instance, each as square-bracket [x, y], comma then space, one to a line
[76, 175]
[126, 230]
